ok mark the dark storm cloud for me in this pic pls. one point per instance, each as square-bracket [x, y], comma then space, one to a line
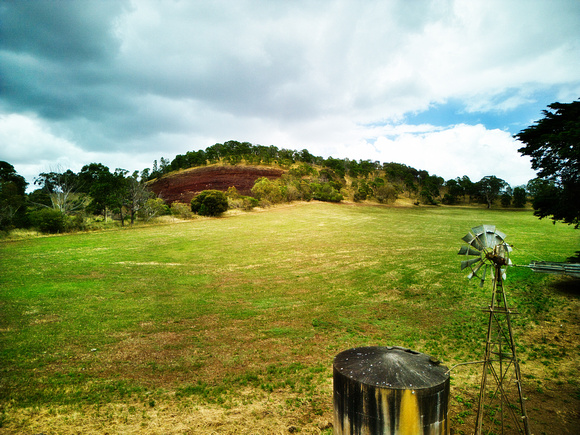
[55, 56]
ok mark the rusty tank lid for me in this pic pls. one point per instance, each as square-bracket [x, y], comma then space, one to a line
[391, 367]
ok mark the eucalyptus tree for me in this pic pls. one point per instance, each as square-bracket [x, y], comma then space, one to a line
[64, 190]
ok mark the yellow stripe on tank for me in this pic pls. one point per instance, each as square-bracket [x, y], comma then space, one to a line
[409, 417]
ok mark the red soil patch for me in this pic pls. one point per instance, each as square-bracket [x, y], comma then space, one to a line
[184, 185]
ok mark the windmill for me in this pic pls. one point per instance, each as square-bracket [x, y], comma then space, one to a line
[487, 254]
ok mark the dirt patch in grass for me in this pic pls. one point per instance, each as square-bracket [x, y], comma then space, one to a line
[268, 414]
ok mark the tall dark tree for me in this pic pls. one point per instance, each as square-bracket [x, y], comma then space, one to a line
[99, 183]
[553, 143]
[519, 197]
[12, 197]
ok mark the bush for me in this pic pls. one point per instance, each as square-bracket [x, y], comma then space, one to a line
[386, 193]
[48, 220]
[246, 203]
[267, 191]
[325, 192]
[181, 210]
[153, 207]
[75, 223]
[210, 203]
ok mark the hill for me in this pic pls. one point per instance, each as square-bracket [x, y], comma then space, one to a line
[182, 186]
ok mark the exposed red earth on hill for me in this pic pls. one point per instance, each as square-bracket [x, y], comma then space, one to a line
[182, 186]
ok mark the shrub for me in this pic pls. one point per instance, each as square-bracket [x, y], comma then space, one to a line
[246, 203]
[267, 191]
[180, 210]
[326, 192]
[210, 203]
[75, 223]
[153, 207]
[386, 193]
[48, 220]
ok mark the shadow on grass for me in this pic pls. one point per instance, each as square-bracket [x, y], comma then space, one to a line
[568, 286]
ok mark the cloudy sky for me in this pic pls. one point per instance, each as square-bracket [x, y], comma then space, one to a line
[439, 85]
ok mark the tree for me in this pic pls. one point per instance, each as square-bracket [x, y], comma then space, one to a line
[137, 195]
[118, 198]
[12, 197]
[152, 208]
[210, 203]
[519, 197]
[489, 188]
[553, 143]
[430, 186]
[454, 191]
[63, 188]
[98, 182]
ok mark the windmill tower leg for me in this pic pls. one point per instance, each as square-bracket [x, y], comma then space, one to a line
[500, 357]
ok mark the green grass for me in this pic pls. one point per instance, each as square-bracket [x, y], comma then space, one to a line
[207, 309]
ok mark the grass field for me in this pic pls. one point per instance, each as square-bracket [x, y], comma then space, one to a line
[231, 325]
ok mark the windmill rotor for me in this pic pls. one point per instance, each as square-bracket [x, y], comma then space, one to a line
[489, 250]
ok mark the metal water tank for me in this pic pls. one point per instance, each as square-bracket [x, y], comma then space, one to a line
[389, 390]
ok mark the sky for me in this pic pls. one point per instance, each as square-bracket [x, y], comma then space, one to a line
[439, 85]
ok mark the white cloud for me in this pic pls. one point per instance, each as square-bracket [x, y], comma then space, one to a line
[459, 150]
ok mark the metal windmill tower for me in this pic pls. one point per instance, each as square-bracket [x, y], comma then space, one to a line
[501, 371]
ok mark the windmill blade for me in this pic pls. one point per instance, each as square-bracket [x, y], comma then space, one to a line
[468, 263]
[497, 240]
[501, 235]
[470, 239]
[489, 228]
[475, 270]
[478, 230]
[468, 250]
[491, 240]
[483, 276]
[490, 236]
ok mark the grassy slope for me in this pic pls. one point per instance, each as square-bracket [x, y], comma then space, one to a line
[223, 324]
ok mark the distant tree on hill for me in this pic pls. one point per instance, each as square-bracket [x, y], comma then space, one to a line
[489, 188]
[553, 143]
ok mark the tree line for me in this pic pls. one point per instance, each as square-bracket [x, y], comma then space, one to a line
[63, 199]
